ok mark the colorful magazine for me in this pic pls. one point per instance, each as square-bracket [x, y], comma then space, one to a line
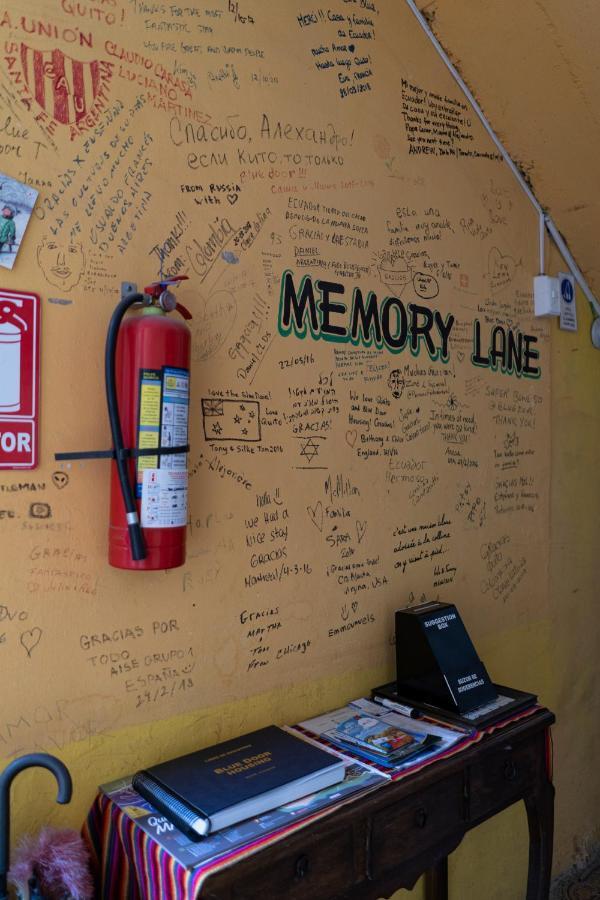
[377, 736]
[386, 764]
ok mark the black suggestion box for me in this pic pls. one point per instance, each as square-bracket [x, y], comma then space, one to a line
[436, 661]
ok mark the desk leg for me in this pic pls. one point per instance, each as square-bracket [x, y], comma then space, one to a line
[540, 817]
[436, 881]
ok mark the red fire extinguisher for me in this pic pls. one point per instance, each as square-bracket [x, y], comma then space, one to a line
[147, 371]
[147, 389]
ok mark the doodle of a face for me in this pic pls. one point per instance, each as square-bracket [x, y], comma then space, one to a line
[61, 263]
[396, 383]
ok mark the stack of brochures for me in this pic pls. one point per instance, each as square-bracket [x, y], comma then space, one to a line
[376, 739]
[387, 740]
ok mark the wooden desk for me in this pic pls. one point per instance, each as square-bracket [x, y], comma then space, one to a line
[386, 840]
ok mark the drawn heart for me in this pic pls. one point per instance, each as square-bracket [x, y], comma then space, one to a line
[460, 355]
[30, 639]
[354, 605]
[361, 528]
[351, 437]
[60, 480]
[233, 198]
[501, 269]
[316, 515]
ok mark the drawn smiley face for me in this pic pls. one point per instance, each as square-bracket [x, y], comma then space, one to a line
[62, 263]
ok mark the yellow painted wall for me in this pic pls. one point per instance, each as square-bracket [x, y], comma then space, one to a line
[533, 67]
[532, 637]
[574, 569]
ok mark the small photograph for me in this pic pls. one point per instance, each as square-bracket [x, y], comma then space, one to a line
[16, 205]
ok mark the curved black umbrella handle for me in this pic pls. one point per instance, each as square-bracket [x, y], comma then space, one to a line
[31, 760]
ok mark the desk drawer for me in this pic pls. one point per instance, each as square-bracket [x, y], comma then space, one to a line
[322, 868]
[403, 830]
[501, 777]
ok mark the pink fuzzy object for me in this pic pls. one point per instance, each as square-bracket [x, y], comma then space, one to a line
[59, 858]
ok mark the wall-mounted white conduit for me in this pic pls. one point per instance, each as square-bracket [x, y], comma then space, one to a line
[546, 222]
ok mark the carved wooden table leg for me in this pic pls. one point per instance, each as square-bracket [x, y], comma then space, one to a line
[436, 881]
[540, 817]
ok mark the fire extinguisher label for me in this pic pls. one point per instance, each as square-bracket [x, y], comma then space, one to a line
[148, 420]
[163, 422]
[164, 498]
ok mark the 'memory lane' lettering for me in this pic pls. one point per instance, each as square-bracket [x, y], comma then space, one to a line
[318, 306]
[391, 323]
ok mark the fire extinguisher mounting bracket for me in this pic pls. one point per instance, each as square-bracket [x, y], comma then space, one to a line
[127, 287]
[125, 453]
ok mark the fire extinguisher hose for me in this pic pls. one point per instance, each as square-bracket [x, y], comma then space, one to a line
[136, 538]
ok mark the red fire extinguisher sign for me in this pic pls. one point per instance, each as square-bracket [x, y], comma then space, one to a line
[19, 379]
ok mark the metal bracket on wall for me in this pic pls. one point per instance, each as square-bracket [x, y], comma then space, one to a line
[127, 287]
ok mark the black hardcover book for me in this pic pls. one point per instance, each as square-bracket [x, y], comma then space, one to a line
[509, 702]
[236, 780]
